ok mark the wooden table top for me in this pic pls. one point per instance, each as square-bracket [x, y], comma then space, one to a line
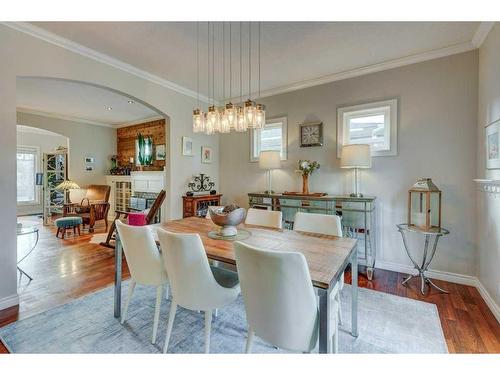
[326, 256]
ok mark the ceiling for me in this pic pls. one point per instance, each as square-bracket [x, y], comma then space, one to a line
[78, 101]
[292, 53]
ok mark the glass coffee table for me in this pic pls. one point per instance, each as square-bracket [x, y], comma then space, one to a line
[25, 229]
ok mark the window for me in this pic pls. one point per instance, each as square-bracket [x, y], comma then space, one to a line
[27, 166]
[273, 136]
[375, 124]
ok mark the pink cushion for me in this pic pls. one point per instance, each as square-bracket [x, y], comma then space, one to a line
[137, 219]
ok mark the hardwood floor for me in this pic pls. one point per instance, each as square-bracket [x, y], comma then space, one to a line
[67, 269]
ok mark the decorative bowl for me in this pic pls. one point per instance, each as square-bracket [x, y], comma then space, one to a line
[227, 221]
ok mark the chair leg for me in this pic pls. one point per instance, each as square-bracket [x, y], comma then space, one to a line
[337, 298]
[159, 291]
[216, 313]
[208, 327]
[171, 317]
[58, 231]
[167, 291]
[79, 229]
[63, 233]
[129, 297]
[251, 334]
[74, 231]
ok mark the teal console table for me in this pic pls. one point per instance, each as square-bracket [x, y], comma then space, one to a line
[358, 217]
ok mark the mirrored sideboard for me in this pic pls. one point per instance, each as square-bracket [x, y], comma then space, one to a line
[358, 217]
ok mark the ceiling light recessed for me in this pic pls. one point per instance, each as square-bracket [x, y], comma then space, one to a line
[109, 108]
[131, 102]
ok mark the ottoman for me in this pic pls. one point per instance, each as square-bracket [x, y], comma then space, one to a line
[69, 222]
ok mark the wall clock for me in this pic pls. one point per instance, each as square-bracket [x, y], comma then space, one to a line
[311, 134]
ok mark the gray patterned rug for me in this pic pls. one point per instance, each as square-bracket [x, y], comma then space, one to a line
[387, 324]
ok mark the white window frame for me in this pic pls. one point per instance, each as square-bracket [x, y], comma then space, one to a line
[254, 157]
[388, 107]
[36, 151]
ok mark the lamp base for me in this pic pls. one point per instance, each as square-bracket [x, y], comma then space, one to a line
[356, 195]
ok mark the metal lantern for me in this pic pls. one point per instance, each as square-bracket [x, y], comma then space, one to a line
[424, 205]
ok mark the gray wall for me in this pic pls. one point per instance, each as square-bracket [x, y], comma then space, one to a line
[437, 139]
[488, 214]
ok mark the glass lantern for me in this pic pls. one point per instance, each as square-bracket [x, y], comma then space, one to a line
[424, 205]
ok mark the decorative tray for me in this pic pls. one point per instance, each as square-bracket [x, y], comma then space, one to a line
[296, 193]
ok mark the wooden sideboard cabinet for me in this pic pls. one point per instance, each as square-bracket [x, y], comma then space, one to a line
[197, 205]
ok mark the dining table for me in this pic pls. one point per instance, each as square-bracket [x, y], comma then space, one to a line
[327, 258]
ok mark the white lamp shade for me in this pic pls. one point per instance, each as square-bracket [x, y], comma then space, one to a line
[270, 160]
[356, 156]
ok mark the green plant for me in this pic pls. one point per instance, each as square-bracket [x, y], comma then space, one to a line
[306, 167]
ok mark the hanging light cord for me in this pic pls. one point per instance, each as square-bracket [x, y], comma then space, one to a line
[230, 62]
[249, 60]
[213, 65]
[224, 62]
[260, 23]
[241, 67]
[197, 65]
[208, 62]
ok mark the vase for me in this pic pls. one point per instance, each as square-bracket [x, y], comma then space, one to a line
[305, 184]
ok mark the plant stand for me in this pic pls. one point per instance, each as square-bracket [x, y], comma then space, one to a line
[427, 257]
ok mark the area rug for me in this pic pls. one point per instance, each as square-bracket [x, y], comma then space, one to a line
[387, 324]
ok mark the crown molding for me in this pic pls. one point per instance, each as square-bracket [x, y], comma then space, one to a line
[137, 122]
[63, 117]
[481, 33]
[396, 63]
[35, 31]
[59, 41]
[32, 130]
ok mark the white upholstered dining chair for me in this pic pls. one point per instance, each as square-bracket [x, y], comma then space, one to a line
[145, 264]
[192, 282]
[264, 218]
[279, 297]
[322, 224]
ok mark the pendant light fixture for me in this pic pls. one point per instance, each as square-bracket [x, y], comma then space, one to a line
[249, 115]
[198, 115]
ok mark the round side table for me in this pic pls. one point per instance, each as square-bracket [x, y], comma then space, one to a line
[431, 234]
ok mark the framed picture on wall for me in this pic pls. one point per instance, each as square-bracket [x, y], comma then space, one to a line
[492, 145]
[206, 154]
[187, 146]
[160, 152]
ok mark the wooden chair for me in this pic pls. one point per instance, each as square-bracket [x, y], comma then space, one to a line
[122, 215]
[92, 208]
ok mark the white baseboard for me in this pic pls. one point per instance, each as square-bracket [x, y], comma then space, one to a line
[9, 301]
[495, 309]
[450, 277]
[439, 275]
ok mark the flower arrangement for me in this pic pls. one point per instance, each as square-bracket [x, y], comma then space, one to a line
[306, 167]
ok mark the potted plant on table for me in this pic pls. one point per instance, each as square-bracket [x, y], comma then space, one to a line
[306, 167]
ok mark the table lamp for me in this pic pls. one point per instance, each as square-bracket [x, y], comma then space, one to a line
[355, 157]
[269, 160]
[66, 186]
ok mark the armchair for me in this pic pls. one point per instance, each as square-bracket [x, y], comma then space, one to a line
[92, 208]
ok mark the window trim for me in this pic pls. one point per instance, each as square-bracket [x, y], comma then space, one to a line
[36, 150]
[370, 107]
[284, 137]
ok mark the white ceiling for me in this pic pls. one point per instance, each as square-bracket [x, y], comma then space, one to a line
[78, 101]
[292, 52]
